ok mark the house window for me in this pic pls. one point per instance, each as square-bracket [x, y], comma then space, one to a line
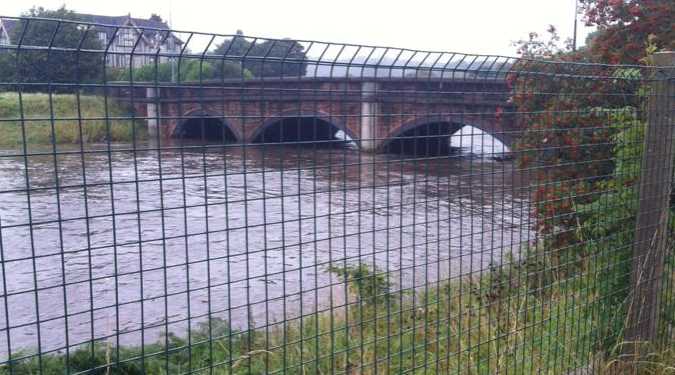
[126, 38]
[103, 38]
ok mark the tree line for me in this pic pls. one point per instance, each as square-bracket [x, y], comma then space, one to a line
[61, 68]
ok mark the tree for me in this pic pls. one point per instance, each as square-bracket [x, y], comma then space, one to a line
[189, 70]
[549, 47]
[583, 129]
[6, 69]
[534, 46]
[624, 26]
[267, 58]
[40, 67]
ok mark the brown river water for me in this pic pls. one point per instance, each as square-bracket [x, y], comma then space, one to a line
[128, 245]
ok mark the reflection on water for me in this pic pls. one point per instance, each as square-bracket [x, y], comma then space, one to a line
[146, 239]
[476, 142]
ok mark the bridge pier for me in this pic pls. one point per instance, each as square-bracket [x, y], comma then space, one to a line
[151, 110]
[368, 126]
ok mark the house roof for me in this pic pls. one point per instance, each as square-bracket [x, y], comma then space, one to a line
[152, 23]
[155, 23]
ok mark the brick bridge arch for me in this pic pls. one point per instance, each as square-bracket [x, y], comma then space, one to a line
[200, 114]
[448, 124]
[325, 118]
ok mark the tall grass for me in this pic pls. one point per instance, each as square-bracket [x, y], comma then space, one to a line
[510, 320]
[55, 118]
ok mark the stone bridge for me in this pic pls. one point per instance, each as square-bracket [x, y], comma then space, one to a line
[378, 114]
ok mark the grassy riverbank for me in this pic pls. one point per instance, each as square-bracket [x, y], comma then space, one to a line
[69, 125]
[513, 320]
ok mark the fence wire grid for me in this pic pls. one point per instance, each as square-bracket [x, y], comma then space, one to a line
[178, 202]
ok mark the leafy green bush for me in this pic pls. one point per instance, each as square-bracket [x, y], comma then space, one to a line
[607, 225]
[585, 146]
[188, 70]
[567, 141]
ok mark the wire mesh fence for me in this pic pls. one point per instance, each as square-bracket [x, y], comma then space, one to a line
[190, 203]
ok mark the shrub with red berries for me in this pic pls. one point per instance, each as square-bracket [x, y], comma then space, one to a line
[624, 26]
[562, 110]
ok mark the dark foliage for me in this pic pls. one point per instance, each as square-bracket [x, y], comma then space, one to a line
[269, 58]
[59, 63]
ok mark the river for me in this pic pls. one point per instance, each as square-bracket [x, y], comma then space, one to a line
[141, 238]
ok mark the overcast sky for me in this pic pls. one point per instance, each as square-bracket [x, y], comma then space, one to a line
[468, 26]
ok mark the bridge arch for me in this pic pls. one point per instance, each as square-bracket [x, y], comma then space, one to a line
[299, 127]
[205, 124]
[430, 135]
